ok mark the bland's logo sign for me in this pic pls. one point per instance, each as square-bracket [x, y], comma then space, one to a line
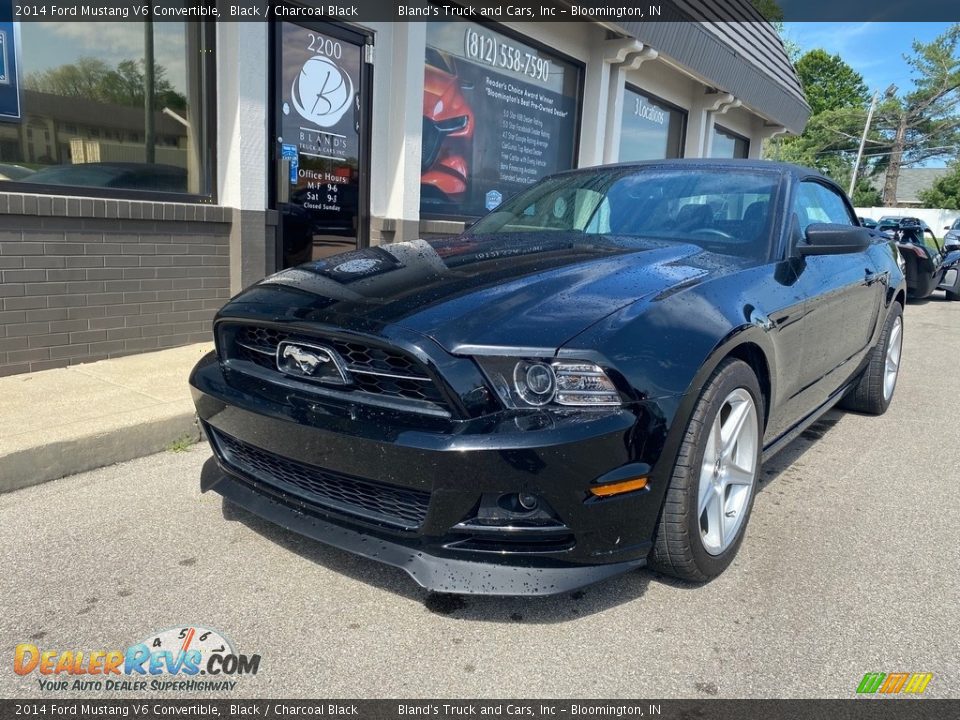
[322, 91]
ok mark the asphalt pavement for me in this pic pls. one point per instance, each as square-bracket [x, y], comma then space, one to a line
[850, 565]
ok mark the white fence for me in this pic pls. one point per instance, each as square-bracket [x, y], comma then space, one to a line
[936, 218]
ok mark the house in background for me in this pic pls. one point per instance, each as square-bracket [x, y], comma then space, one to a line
[911, 183]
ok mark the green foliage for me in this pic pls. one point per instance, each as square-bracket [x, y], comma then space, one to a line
[945, 192]
[92, 78]
[837, 97]
[828, 143]
[769, 9]
[864, 194]
[829, 83]
[181, 444]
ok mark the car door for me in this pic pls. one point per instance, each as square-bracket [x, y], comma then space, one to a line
[843, 294]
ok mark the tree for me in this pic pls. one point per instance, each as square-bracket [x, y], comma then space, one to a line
[924, 124]
[770, 10]
[94, 79]
[830, 83]
[80, 79]
[865, 194]
[945, 192]
[837, 95]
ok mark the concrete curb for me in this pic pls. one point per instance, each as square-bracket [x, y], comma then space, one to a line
[64, 421]
[53, 461]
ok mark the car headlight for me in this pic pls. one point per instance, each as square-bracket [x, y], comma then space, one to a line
[901, 263]
[538, 383]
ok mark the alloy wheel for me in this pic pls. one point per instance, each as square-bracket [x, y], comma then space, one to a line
[728, 472]
[892, 362]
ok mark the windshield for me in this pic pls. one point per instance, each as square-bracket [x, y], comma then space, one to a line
[720, 209]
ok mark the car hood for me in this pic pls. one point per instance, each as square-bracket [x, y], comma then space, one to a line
[477, 294]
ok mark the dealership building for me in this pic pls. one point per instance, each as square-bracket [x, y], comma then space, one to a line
[149, 171]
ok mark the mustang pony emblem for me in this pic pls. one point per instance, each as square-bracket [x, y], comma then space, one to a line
[306, 361]
[310, 361]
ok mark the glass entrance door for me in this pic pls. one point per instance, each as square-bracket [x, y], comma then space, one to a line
[321, 88]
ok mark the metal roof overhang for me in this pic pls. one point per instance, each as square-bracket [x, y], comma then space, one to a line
[745, 58]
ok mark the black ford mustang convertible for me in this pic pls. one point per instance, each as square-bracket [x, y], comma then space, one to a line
[586, 381]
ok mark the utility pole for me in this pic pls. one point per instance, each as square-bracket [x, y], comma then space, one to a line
[866, 131]
[863, 141]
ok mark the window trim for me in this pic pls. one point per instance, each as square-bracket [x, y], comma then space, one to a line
[581, 68]
[721, 129]
[684, 114]
[208, 93]
[826, 183]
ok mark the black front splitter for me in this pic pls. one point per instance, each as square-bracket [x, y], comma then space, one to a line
[437, 574]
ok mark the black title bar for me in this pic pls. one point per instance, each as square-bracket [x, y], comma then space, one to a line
[503, 10]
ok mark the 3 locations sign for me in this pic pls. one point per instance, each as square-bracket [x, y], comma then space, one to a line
[498, 114]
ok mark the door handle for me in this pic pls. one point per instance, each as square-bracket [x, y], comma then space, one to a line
[283, 180]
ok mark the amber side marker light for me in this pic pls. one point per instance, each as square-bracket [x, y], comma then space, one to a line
[619, 487]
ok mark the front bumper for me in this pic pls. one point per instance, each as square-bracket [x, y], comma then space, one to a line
[462, 538]
[439, 574]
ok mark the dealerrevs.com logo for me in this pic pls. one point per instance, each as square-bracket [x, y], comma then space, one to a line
[179, 659]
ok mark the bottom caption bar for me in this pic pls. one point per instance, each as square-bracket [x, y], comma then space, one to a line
[872, 708]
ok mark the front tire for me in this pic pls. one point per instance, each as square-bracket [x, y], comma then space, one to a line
[712, 487]
[874, 389]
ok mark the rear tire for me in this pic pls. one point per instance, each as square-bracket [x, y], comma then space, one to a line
[875, 387]
[714, 480]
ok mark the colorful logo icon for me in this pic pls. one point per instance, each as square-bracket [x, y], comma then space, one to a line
[893, 683]
[183, 652]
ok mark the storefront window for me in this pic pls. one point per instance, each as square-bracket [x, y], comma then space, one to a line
[498, 115]
[109, 107]
[727, 144]
[652, 129]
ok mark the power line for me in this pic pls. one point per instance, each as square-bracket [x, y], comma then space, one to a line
[945, 148]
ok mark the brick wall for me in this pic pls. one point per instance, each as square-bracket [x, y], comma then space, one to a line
[83, 280]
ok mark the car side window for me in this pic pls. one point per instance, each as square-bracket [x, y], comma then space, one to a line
[817, 203]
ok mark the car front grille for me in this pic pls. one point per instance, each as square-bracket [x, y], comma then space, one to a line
[397, 507]
[374, 371]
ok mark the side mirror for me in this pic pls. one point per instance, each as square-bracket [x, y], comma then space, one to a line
[830, 239]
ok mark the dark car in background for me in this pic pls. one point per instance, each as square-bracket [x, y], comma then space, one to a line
[928, 265]
[950, 268]
[585, 382]
[118, 175]
[952, 236]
